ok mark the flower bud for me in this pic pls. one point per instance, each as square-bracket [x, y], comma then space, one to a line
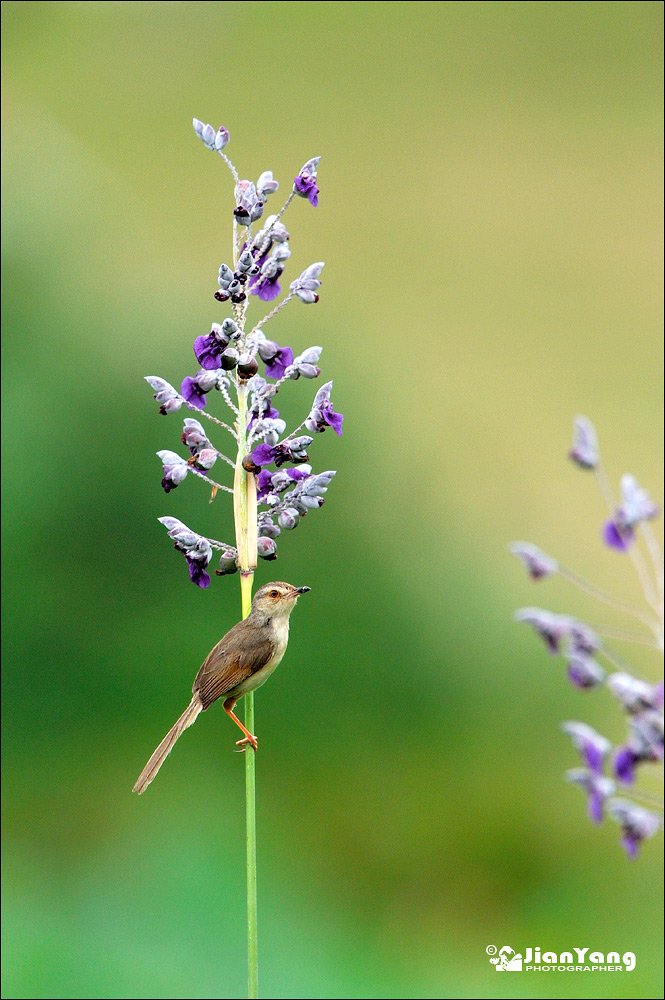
[266, 548]
[268, 349]
[288, 519]
[311, 503]
[230, 329]
[245, 262]
[168, 398]
[222, 138]
[267, 529]
[266, 184]
[585, 444]
[194, 436]
[226, 276]
[205, 459]
[228, 562]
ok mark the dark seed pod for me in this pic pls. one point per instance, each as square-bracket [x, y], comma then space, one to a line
[229, 358]
[247, 366]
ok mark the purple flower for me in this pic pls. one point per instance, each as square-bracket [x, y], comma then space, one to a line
[305, 364]
[597, 787]
[635, 695]
[277, 359]
[584, 672]
[293, 450]
[194, 388]
[617, 537]
[267, 289]
[305, 183]
[636, 506]
[550, 627]
[197, 572]
[592, 747]
[165, 394]
[266, 284]
[322, 414]
[175, 470]
[583, 639]
[250, 206]
[276, 482]
[263, 454]
[263, 483]
[307, 285]
[193, 393]
[585, 444]
[537, 563]
[636, 823]
[194, 436]
[196, 549]
[209, 348]
[276, 367]
[624, 764]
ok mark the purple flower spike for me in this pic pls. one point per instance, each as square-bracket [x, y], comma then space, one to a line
[619, 539]
[305, 183]
[276, 367]
[197, 573]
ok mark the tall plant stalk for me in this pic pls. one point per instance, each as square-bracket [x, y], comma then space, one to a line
[266, 456]
[245, 513]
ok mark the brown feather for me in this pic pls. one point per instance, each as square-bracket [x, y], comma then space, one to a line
[165, 747]
[242, 652]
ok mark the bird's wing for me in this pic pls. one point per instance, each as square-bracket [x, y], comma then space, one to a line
[235, 658]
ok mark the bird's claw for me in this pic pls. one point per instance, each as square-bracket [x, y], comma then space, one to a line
[247, 741]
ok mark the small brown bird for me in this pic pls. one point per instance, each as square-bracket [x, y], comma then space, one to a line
[240, 662]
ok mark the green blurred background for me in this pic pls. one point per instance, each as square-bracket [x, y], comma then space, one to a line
[489, 217]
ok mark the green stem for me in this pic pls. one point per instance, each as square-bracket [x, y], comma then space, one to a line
[245, 514]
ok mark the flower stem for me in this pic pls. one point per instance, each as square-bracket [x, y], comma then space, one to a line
[244, 505]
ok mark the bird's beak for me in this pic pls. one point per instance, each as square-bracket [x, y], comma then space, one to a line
[302, 590]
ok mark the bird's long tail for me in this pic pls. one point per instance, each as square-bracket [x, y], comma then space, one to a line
[165, 747]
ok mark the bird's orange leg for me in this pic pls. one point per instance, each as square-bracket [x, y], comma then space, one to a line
[229, 705]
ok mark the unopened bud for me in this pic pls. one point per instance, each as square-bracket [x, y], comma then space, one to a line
[228, 562]
[288, 519]
[266, 548]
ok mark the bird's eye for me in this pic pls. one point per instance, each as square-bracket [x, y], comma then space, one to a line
[274, 593]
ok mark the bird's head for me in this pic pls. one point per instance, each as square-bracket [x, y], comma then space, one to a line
[276, 599]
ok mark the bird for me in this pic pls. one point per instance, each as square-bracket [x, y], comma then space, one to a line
[241, 661]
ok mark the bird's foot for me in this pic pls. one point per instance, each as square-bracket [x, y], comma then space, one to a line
[247, 741]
